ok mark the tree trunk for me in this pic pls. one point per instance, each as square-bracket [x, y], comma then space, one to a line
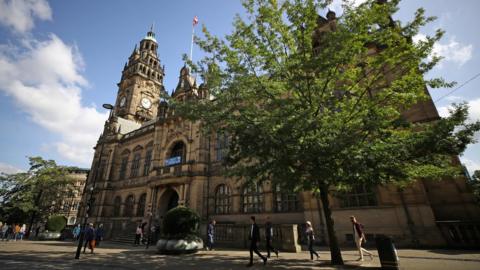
[335, 253]
[34, 213]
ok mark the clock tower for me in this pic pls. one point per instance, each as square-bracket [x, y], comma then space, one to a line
[141, 84]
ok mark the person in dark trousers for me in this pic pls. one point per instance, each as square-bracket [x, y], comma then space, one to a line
[138, 235]
[269, 238]
[359, 238]
[99, 234]
[89, 238]
[254, 239]
[210, 234]
[311, 238]
[144, 239]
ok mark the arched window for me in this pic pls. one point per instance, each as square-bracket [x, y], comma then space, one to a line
[285, 201]
[177, 154]
[358, 196]
[128, 208]
[141, 205]
[135, 165]
[253, 198]
[148, 161]
[71, 220]
[123, 168]
[223, 200]
[116, 206]
[221, 145]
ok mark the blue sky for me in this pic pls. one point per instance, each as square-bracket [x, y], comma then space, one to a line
[60, 60]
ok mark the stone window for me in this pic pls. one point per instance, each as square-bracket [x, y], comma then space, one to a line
[223, 201]
[284, 201]
[116, 206]
[177, 154]
[123, 168]
[358, 196]
[135, 165]
[148, 160]
[141, 205]
[128, 208]
[253, 198]
[221, 145]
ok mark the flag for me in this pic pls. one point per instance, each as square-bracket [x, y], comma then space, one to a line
[195, 20]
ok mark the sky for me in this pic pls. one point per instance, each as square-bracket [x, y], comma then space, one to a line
[61, 60]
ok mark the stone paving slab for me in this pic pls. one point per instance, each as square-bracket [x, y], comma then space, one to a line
[60, 255]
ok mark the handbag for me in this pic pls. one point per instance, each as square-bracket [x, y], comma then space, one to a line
[91, 245]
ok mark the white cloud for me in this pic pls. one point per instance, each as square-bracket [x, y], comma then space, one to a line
[8, 169]
[44, 78]
[472, 165]
[471, 162]
[20, 14]
[336, 5]
[452, 51]
[473, 110]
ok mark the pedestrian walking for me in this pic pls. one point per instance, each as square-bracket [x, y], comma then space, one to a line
[4, 232]
[23, 229]
[311, 238]
[269, 238]
[143, 239]
[99, 234]
[138, 235]
[89, 238]
[151, 236]
[76, 232]
[9, 233]
[16, 232]
[359, 234]
[210, 234]
[254, 240]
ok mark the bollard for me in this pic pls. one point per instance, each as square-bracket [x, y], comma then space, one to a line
[387, 253]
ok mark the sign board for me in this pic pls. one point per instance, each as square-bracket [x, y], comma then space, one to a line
[173, 160]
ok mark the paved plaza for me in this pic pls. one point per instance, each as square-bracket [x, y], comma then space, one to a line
[60, 255]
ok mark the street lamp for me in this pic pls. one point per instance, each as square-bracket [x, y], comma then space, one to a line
[91, 199]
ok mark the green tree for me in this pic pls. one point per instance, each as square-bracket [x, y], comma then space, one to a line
[475, 184]
[35, 194]
[322, 110]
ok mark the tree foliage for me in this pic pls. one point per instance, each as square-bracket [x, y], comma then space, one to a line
[56, 223]
[38, 191]
[315, 110]
[181, 222]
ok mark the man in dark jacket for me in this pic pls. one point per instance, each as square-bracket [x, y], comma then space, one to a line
[254, 239]
[99, 234]
[89, 237]
[210, 234]
[269, 238]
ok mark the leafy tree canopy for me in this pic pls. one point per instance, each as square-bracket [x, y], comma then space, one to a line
[39, 190]
[314, 103]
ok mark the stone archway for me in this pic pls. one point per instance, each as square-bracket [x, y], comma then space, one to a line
[168, 199]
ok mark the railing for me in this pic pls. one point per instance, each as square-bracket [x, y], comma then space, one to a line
[237, 235]
[460, 234]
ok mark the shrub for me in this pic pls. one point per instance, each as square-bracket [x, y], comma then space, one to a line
[181, 222]
[56, 223]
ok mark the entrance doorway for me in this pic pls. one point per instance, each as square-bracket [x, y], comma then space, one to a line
[168, 200]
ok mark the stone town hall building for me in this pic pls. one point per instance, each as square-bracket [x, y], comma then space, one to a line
[148, 160]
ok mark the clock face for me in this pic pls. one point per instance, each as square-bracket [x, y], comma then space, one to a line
[146, 103]
[122, 101]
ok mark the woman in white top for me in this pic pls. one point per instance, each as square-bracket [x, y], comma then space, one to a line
[311, 239]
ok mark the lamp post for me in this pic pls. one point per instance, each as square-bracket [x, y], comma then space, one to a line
[91, 198]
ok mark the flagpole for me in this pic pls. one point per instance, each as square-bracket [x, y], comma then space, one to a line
[191, 44]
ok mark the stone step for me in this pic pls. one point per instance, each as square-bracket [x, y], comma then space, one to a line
[129, 239]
